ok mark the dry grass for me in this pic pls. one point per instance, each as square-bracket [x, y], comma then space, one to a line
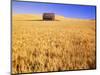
[41, 46]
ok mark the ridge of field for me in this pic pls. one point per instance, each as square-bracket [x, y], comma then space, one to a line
[42, 46]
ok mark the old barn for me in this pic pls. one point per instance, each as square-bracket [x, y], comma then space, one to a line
[48, 16]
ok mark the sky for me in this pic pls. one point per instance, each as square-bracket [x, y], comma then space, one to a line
[66, 10]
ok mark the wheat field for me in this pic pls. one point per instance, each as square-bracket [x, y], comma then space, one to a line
[42, 46]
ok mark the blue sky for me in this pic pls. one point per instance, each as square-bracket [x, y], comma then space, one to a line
[66, 10]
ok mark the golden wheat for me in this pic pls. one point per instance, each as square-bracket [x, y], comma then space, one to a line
[41, 46]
